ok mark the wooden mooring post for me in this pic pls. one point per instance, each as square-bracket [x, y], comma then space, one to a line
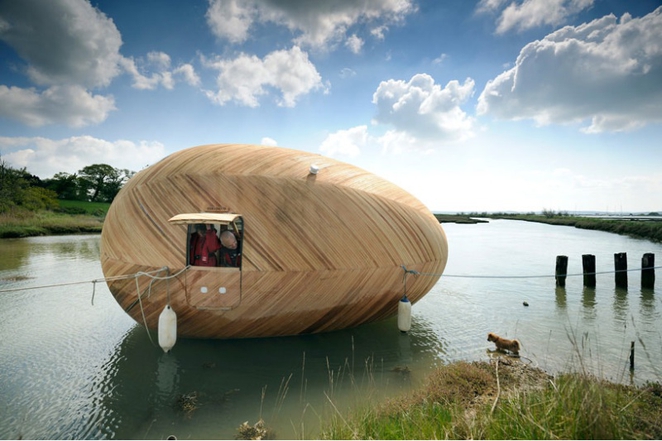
[621, 270]
[648, 270]
[561, 270]
[588, 265]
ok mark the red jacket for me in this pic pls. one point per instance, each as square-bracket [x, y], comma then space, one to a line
[203, 248]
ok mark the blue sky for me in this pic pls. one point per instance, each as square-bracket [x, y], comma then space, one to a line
[487, 105]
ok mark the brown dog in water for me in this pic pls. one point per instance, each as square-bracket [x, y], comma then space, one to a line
[504, 344]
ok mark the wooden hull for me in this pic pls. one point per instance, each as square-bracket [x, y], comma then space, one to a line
[320, 252]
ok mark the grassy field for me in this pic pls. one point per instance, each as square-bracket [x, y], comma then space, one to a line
[98, 209]
[506, 399]
[72, 217]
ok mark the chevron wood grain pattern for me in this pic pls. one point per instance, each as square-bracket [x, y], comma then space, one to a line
[320, 252]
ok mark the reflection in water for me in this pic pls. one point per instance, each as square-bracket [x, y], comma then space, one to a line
[14, 254]
[167, 376]
[589, 302]
[285, 380]
[65, 247]
[647, 301]
[621, 307]
[560, 298]
[404, 343]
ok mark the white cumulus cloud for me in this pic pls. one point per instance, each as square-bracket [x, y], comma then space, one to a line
[187, 72]
[425, 110]
[246, 78]
[155, 70]
[70, 48]
[422, 116]
[316, 24]
[70, 105]
[345, 142]
[528, 14]
[44, 157]
[354, 44]
[63, 42]
[606, 71]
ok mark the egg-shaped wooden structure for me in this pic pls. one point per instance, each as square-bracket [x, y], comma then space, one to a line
[321, 243]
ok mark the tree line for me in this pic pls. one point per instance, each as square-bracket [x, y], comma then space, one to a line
[19, 189]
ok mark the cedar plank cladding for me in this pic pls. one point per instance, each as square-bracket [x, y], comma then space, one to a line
[320, 252]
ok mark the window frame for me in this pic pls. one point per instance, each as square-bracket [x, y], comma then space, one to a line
[230, 221]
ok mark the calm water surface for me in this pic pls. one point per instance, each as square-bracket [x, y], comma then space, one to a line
[73, 365]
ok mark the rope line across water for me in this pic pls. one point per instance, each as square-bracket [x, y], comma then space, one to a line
[415, 273]
[469, 276]
[104, 279]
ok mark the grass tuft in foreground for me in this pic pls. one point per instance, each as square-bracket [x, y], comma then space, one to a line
[506, 399]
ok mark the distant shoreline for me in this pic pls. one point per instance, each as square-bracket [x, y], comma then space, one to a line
[646, 227]
[57, 227]
[458, 219]
[52, 224]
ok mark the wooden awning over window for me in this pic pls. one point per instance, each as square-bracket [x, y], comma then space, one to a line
[204, 218]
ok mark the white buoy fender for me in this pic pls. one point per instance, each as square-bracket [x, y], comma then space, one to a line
[167, 328]
[404, 314]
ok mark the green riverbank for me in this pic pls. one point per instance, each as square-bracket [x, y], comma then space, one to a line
[506, 399]
[71, 217]
[635, 227]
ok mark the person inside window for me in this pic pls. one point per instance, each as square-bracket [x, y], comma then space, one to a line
[230, 250]
[204, 244]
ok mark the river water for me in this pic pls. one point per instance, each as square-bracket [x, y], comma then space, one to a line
[73, 365]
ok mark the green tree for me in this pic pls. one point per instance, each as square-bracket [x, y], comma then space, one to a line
[101, 182]
[66, 186]
[39, 198]
[11, 186]
[20, 189]
[114, 184]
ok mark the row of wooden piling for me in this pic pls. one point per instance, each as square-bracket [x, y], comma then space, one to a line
[620, 270]
[620, 276]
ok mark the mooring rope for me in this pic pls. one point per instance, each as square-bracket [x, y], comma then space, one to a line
[142, 310]
[404, 278]
[407, 271]
[153, 275]
[104, 279]
[470, 276]
[149, 290]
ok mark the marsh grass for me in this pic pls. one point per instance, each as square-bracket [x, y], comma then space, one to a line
[579, 406]
[506, 399]
[47, 223]
[503, 398]
[642, 229]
